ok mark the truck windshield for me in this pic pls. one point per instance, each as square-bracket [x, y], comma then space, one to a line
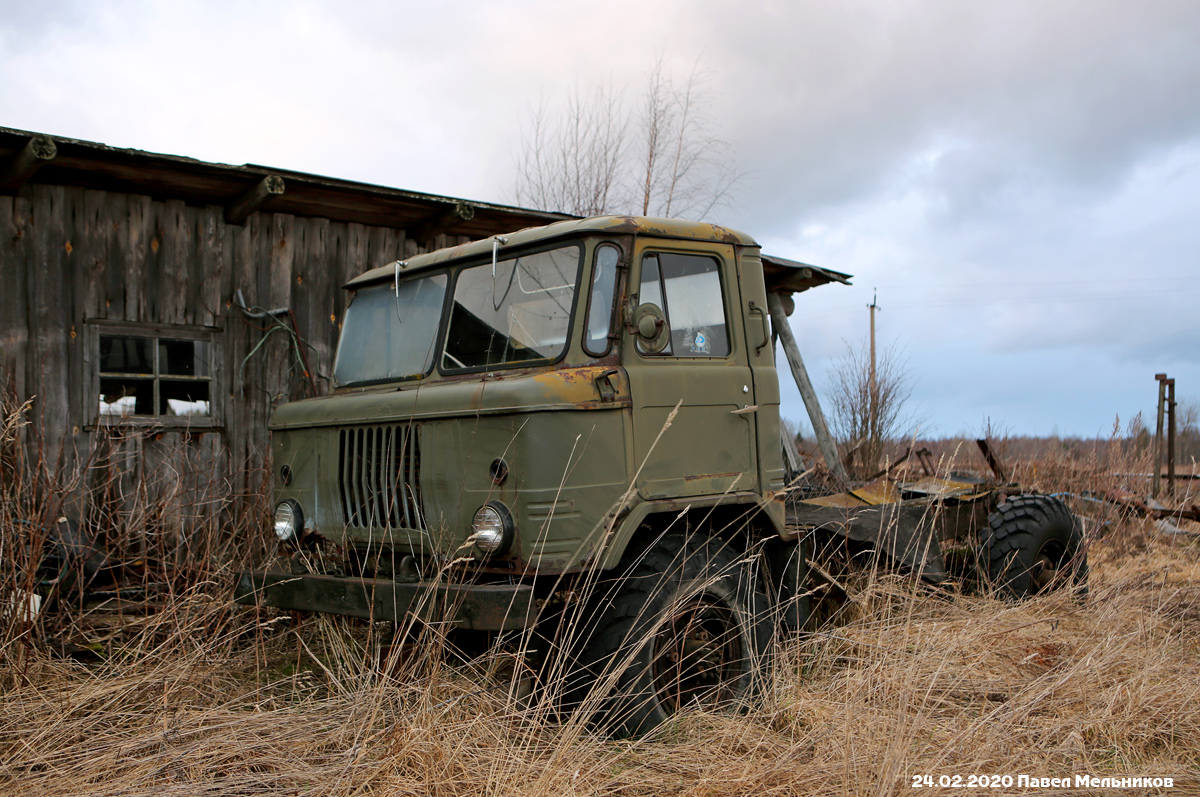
[513, 313]
[385, 336]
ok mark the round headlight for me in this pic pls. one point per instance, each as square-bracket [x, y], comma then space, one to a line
[289, 520]
[492, 529]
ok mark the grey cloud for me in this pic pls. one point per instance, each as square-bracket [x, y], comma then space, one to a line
[841, 96]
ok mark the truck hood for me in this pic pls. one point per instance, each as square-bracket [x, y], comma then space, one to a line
[562, 389]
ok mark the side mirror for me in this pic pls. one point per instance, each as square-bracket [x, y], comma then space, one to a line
[651, 328]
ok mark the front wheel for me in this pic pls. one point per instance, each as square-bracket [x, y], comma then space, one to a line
[1033, 544]
[686, 626]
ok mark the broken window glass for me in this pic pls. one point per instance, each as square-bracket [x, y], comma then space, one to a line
[514, 312]
[150, 376]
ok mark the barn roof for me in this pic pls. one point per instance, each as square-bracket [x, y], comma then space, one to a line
[33, 157]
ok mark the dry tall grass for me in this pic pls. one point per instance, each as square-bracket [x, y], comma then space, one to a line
[204, 697]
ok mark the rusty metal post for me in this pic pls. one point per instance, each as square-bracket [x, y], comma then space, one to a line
[992, 460]
[1171, 437]
[1158, 436]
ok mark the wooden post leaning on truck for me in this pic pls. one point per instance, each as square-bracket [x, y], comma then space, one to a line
[824, 439]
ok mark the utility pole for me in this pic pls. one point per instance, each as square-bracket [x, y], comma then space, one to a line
[873, 390]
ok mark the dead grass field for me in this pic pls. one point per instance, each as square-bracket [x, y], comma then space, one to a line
[206, 698]
[200, 696]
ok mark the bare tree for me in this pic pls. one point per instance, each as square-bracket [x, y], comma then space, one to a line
[570, 162]
[687, 169]
[596, 157]
[866, 419]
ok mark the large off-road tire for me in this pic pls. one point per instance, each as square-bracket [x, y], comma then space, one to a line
[687, 624]
[1033, 544]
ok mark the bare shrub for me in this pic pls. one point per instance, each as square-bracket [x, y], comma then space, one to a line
[867, 414]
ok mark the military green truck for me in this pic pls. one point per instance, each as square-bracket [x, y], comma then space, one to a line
[574, 425]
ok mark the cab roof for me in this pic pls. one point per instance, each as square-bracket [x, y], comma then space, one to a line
[615, 225]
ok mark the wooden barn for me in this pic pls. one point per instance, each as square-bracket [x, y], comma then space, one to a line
[155, 308]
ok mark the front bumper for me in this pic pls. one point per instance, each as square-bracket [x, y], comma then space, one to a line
[481, 607]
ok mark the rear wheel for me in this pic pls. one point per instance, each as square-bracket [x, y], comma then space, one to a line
[685, 626]
[1033, 544]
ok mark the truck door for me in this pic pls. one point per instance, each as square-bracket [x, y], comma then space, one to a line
[765, 387]
[711, 444]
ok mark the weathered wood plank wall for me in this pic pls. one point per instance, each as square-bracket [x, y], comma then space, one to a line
[72, 257]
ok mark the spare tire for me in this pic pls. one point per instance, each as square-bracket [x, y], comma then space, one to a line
[1033, 544]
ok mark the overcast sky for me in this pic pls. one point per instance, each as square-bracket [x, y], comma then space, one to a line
[1020, 181]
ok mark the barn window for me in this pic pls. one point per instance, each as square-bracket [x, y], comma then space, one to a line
[165, 377]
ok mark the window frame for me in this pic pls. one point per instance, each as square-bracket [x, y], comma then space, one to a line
[613, 325]
[512, 254]
[97, 328]
[439, 332]
[721, 274]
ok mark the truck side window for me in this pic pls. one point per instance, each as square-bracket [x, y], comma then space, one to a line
[688, 289]
[600, 305]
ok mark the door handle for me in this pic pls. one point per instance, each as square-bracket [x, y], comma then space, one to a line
[604, 384]
[754, 308]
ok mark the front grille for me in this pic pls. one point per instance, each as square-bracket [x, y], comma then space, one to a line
[379, 477]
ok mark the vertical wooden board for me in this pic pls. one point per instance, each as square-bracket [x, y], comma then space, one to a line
[209, 277]
[214, 482]
[49, 311]
[315, 281]
[329, 301]
[279, 265]
[14, 302]
[393, 242]
[263, 367]
[285, 361]
[77, 269]
[173, 263]
[353, 256]
[356, 249]
[228, 318]
[89, 234]
[152, 272]
[241, 395]
[91, 241]
[377, 249]
[118, 256]
[336, 247]
[143, 244]
[301, 289]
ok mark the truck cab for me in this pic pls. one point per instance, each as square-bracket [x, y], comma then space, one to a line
[518, 415]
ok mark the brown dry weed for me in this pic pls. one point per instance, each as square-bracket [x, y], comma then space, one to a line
[206, 698]
[194, 695]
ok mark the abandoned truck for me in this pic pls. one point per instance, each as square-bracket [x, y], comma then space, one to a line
[579, 424]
